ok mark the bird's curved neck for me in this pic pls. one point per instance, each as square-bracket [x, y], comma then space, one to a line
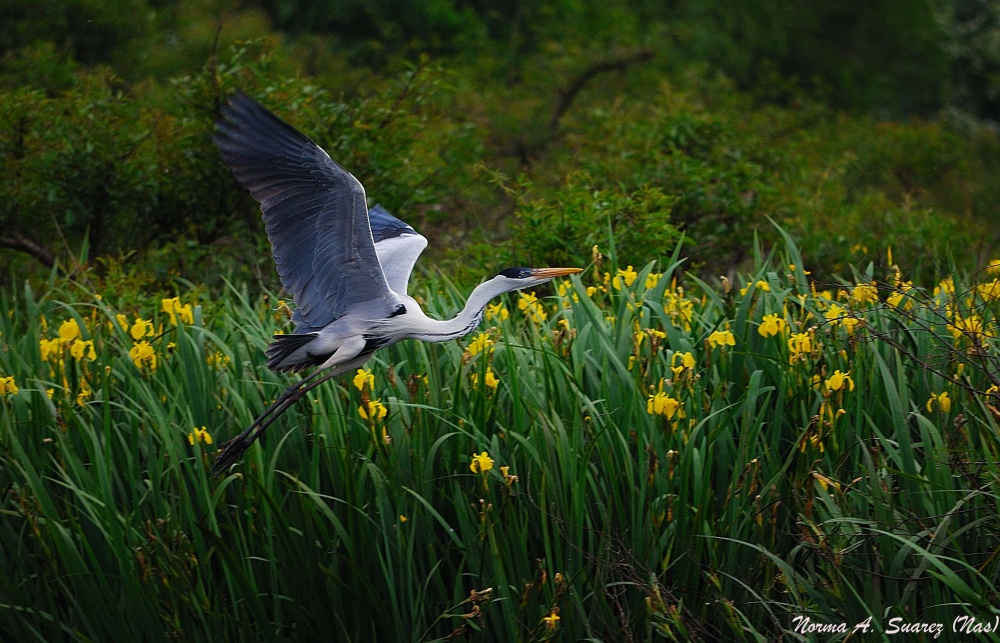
[420, 326]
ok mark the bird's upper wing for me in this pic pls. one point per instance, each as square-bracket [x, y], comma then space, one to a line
[397, 244]
[314, 212]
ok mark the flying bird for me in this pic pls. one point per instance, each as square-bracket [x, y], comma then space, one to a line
[347, 266]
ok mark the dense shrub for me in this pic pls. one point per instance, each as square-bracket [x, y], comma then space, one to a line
[600, 143]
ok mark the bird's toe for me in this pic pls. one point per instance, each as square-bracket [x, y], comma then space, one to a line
[232, 450]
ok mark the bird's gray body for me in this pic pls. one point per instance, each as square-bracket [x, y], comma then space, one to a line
[337, 343]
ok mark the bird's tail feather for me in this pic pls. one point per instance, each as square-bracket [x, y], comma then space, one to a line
[281, 353]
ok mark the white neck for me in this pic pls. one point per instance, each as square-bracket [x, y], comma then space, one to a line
[416, 325]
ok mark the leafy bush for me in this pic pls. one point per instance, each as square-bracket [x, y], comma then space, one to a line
[873, 56]
[93, 30]
[561, 228]
[102, 170]
[77, 163]
[93, 166]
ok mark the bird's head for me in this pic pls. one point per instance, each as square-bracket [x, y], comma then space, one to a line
[517, 278]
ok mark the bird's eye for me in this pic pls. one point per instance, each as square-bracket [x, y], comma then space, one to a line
[524, 274]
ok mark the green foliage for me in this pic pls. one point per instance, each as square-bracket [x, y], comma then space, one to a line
[857, 186]
[373, 29]
[92, 29]
[841, 184]
[561, 229]
[79, 165]
[717, 178]
[94, 165]
[98, 168]
[648, 479]
[40, 66]
[973, 29]
[882, 55]
[895, 58]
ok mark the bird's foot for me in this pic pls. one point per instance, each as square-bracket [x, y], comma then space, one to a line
[232, 450]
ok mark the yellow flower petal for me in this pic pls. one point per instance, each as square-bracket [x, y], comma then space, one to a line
[362, 377]
[7, 386]
[68, 331]
[481, 463]
[141, 328]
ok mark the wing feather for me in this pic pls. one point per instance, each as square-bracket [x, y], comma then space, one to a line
[314, 212]
[398, 246]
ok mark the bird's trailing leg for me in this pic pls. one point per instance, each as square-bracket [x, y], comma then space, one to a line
[233, 449]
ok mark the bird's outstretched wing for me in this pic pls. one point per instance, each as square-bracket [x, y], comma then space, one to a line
[314, 212]
[397, 244]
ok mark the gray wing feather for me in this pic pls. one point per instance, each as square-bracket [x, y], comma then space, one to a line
[385, 225]
[397, 245]
[314, 212]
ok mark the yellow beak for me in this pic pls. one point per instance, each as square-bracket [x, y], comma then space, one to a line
[551, 273]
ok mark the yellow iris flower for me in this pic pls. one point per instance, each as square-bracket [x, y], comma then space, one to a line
[481, 462]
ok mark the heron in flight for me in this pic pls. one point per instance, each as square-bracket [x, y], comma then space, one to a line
[347, 266]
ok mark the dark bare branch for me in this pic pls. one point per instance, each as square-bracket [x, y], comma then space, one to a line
[538, 139]
[569, 93]
[21, 243]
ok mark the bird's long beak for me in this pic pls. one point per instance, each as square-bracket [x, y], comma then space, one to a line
[552, 273]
